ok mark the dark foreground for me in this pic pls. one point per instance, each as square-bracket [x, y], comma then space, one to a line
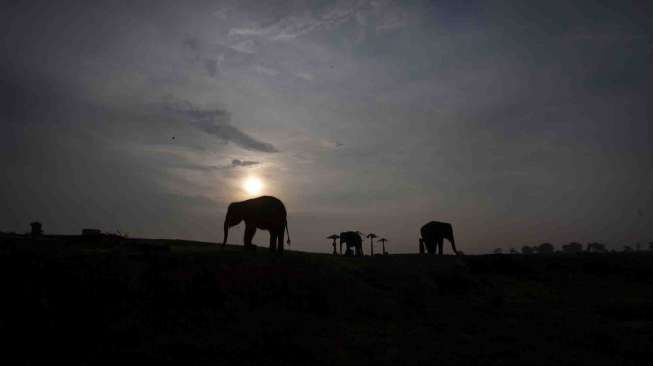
[171, 302]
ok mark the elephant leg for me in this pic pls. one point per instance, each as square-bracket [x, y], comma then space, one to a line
[249, 235]
[273, 241]
[440, 245]
[280, 238]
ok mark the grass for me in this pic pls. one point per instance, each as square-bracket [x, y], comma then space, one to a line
[173, 302]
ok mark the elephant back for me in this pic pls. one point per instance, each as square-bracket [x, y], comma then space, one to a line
[350, 237]
[436, 227]
[265, 212]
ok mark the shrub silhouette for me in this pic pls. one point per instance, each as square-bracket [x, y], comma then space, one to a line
[596, 248]
[572, 248]
[545, 248]
[37, 229]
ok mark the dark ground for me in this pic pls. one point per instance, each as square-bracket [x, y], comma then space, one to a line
[175, 302]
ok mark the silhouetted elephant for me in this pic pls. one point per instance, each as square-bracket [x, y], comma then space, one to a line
[353, 240]
[266, 213]
[433, 234]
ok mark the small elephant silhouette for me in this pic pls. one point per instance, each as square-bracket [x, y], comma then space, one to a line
[266, 213]
[433, 234]
[353, 240]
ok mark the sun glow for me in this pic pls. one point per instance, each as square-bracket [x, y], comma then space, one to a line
[253, 185]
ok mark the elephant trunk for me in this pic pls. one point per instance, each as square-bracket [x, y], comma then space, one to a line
[226, 232]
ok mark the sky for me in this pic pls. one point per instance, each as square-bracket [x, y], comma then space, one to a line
[517, 122]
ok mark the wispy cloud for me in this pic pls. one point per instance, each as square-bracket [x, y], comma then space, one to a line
[235, 163]
[305, 76]
[266, 70]
[241, 163]
[211, 67]
[246, 46]
[217, 122]
[299, 24]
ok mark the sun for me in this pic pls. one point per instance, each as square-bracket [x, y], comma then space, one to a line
[253, 185]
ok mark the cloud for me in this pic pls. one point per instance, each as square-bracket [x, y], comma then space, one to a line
[235, 163]
[604, 36]
[305, 76]
[266, 71]
[301, 23]
[238, 163]
[246, 46]
[216, 122]
[193, 45]
[329, 144]
[211, 67]
[393, 23]
[217, 58]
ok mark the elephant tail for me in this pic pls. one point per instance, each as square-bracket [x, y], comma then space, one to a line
[287, 232]
[453, 246]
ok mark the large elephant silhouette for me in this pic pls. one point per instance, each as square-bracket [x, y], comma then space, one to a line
[266, 213]
[353, 240]
[433, 234]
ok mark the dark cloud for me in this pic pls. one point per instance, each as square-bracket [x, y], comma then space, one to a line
[213, 57]
[211, 67]
[192, 44]
[216, 122]
[237, 163]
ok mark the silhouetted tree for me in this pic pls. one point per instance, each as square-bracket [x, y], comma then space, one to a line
[650, 246]
[627, 249]
[572, 248]
[512, 251]
[545, 248]
[383, 241]
[334, 237]
[37, 229]
[526, 250]
[596, 248]
[371, 236]
[498, 251]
